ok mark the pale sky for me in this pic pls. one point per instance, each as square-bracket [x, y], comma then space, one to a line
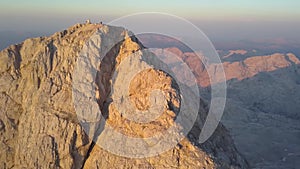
[237, 19]
[193, 9]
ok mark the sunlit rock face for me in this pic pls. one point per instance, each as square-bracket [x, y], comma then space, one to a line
[39, 125]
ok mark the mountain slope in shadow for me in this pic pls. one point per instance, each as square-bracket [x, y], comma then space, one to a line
[263, 100]
[262, 114]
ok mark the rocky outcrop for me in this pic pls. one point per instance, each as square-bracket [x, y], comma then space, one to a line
[39, 126]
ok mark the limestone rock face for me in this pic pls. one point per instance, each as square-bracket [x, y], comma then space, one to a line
[39, 127]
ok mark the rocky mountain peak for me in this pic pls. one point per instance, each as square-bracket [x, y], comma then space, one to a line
[39, 125]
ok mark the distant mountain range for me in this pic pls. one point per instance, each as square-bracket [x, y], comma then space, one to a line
[262, 46]
[263, 98]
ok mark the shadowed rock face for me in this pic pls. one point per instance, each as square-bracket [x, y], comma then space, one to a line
[39, 126]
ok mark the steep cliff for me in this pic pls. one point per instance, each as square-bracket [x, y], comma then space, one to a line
[39, 126]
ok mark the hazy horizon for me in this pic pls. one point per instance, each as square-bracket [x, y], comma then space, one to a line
[223, 22]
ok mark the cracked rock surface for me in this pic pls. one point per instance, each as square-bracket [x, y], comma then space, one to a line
[39, 127]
